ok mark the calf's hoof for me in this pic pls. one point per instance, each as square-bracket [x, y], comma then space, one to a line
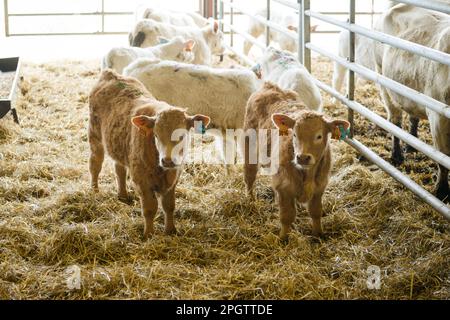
[125, 199]
[148, 233]
[317, 234]
[170, 231]
[284, 238]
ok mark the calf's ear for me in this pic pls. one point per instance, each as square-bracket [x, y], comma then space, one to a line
[189, 45]
[199, 118]
[283, 122]
[215, 26]
[145, 124]
[339, 129]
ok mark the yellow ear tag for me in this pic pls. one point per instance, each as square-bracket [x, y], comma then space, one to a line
[336, 134]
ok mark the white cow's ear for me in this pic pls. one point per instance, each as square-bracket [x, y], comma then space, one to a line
[189, 45]
[145, 124]
[215, 26]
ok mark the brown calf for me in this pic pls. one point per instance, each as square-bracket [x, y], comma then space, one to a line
[304, 152]
[145, 148]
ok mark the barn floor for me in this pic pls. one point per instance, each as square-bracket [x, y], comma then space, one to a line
[227, 247]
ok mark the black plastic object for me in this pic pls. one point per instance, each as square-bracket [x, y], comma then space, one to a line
[6, 104]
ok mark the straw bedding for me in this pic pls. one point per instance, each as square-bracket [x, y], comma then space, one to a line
[227, 247]
[6, 80]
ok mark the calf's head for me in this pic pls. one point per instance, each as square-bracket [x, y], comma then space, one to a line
[178, 49]
[214, 38]
[311, 132]
[170, 129]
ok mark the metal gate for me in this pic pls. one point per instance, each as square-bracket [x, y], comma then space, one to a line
[97, 14]
[304, 55]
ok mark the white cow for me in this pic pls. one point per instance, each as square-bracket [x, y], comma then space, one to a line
[221, 94]
[177, 49]
[284, 69]
[431, 29]
[364, 53]
[209, 40]
[289, 20]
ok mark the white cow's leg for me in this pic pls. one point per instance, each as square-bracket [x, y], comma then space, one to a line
[394, 116]
[413, 126]
[440, 130]
[255, 29]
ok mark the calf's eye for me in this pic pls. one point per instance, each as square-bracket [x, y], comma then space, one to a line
[319, 137]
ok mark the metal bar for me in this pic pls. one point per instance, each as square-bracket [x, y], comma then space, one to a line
[215, 9]
[403, 90]
[231, 23]
[306, 35]
[371, 16]
[67, 14]
[267, 27]
[418, 144]
[5, 4]
[388, 168]
[431, 5]
[300, 43]
[412, 47]
[438, 205]
[246, 36]
[221, 14]
[351, 73]
[290, 4]
[66, 34]
[337, 13]
[103, 15]
[244, 58]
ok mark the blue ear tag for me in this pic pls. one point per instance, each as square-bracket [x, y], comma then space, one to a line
[257, 70]
[163, 40]
[199, 127]
[344, 133]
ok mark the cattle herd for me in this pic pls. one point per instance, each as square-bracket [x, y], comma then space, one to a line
[164, 83]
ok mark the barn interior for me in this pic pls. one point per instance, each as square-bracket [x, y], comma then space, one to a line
[227, 246]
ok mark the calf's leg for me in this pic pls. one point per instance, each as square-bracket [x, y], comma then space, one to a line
[250, 169]
[95, 162]
[168, 204]
[149, 205]
[121, 176]
[287, 214]
[315, 212]
[97, 151]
